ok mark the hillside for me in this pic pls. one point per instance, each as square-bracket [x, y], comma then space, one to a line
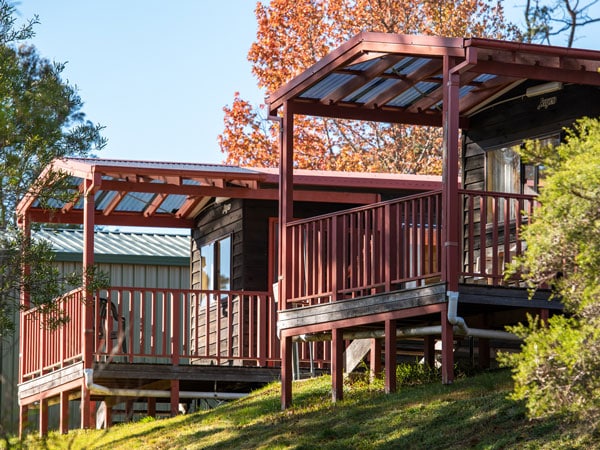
[472, 413]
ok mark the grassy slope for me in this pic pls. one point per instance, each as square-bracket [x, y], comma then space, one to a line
[471, 413]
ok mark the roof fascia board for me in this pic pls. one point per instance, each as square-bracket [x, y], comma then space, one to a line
[121, 219]
[540, 49]
[538, 72]
[372, 115]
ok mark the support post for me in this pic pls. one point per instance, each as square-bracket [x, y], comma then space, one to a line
[43, 417]
[174, 397]
[450, 197]
[23, 417]
[286, 372]
[87, 335]
[24, 299]
[337, 364]
[447, 348]
[483, 347]
[108, 413]
[286, 213]
[375, 359]
[64, 412]
[429, 351]
[544, 316]
[390, 356]
[86, 407]
[151, 407]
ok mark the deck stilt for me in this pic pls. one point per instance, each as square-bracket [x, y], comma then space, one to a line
[447, 348]
[174, 397]
[43, 417]
[429, 350]
[64, 412]
[286, 372]
[23, 415]
[337, 361]
[390, 356]
[86, 407]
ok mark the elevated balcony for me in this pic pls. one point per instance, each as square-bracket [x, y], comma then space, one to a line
[395, 245]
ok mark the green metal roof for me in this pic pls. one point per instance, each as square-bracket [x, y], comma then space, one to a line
[120, 247]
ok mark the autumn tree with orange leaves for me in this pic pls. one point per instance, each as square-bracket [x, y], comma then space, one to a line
[292, 36]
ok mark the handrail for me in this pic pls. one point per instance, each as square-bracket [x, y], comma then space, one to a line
[492, 225]
[49, 348]
[163, 326]
[348, 254]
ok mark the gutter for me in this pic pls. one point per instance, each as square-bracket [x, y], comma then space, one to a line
[88, 375]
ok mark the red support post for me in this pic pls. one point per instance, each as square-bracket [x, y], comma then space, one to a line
[286, 213]
[174, 397]
[286, 372]
[151, 407]
[429, 350]
[484, 353]
[23, 417]
[64, 412]
[86, 407]
[43, 417]
[87, 332]
[450, 196]
[337, 364]
[25, 303]
[390, 356]
[447, 348]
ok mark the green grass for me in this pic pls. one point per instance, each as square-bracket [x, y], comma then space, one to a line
[471, 413]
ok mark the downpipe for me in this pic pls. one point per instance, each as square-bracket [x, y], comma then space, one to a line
[88, 375]
[453, 318]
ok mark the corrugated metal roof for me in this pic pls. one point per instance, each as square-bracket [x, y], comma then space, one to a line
[120, 247]
[157, 165]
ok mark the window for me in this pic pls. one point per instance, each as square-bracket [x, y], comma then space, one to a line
[216, 265]
[505, 172]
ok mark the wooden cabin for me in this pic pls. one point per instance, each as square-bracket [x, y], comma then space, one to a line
[148, 346]
[296, 271]
[429, 267]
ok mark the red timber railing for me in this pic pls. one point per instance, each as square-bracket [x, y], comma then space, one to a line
[162, 326]
[395, 244]
[492, 224]
[186, 326]
[48, 347]
[362, 251]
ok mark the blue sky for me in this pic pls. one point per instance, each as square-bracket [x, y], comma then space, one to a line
[157, 74]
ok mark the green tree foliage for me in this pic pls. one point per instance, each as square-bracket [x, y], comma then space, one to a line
[41, 119]
[557, 371]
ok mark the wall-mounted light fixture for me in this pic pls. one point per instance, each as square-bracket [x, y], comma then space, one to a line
[543, 89]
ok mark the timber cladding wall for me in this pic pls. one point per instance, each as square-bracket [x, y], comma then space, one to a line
[247, 223]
